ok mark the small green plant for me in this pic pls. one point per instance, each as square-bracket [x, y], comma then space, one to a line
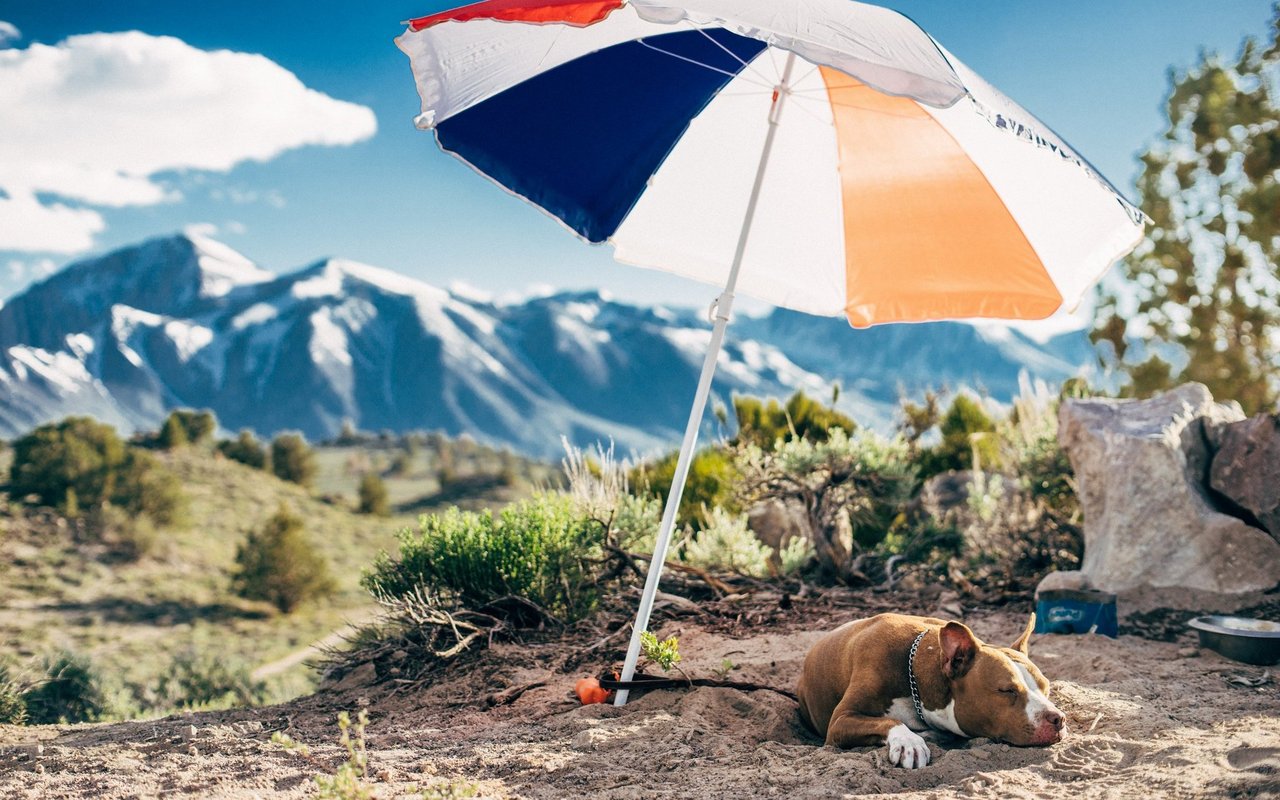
[541, 550]
[450, 790]
[348, 781]
[71, 692]
[728, 544]
[278, 564]
[665, 653]
[13, 709]
[726, 666]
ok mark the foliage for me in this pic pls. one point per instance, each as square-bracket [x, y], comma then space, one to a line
[130, 537]
[70, 692]
[184, 426]
[850, 487]
[726, 543]
[665, 653]
[80, 463]
[78, 455]
[13, 709]
[542, 550]
[968, 440]
[246, 449]
[292, 460]
[373, 496]
[1201, 291]
[764, 423]
[636, 521]
[278, 565]
[200, 679]
[348, 781]
[597, 482]
[146, 488]
[711, 482]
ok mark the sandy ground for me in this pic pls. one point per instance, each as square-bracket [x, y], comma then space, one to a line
[1146, 719]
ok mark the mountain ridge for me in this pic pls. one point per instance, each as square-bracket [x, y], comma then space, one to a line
[185, 320]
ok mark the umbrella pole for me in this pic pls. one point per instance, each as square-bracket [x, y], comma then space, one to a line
[720, 310]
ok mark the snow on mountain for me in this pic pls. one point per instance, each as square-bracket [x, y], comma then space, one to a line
[187, 321]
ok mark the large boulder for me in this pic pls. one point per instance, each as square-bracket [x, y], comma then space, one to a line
[1246, 468]
[1141, 471]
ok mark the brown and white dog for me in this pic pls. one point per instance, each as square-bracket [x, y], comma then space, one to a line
[859, 682]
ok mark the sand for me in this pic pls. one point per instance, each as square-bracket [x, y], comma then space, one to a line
[1145, 719]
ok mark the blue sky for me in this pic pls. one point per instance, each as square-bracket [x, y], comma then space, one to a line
[1096, 72]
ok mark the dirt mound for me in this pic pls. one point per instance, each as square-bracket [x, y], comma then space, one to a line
[1146, 718]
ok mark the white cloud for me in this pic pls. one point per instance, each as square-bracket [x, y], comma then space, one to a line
[20, 271]
[94, 118]
[9, 33]
[205, 229]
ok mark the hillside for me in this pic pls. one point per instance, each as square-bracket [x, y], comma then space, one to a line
[187, 321]
[59, 591]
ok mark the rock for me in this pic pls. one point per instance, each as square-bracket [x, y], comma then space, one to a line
[1141, 470]
[1246, 468]
[775, 523]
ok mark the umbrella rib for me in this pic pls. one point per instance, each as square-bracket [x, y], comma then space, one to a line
[697, 63]
[745, 64]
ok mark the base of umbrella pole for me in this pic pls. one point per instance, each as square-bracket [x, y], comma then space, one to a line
[720, 311]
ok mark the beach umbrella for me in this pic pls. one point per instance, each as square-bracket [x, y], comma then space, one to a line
[823, 155]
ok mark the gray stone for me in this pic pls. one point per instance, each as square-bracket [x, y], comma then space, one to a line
[1246, 468]
[1141, 471]
[776, 523]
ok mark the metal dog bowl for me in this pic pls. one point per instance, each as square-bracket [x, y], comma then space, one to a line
[1253, 641]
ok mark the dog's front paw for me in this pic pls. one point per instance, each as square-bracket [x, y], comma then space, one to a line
[906, 748]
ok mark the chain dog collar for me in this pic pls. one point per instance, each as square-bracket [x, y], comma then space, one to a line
[911, 677]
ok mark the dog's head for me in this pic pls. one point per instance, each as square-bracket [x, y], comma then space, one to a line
[998, 692]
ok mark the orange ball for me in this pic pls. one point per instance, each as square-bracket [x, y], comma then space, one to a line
[589, 691]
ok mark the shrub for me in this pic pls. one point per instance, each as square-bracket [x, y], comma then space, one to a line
[246, 449]
[71, 692]
[81, 464]
[172, 434]
[145, 488]
[278, 565]
[78, 457]
[712, 479]
[726, 543]
[968, 436]
[292, 460]
[764, 424]
[196, 679]
[542, 550]
[13, 709]
[852, 488]
[373, 496]
[131, 536]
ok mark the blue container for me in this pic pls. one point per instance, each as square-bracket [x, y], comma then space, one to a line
[1076, 611]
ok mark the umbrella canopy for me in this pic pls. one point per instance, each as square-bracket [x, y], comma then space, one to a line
[902, 187]
[899, 187]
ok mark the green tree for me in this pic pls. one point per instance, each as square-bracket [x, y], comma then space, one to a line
[172, 434]
[373, 495]
[292, 460]
[277, 564]
[710, 484]
[246, 449]
[184, 426]
[765, 423]
[77, 458]
[1201, 291]
[968, 432]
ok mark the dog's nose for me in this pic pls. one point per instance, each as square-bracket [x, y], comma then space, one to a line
[1054, 719]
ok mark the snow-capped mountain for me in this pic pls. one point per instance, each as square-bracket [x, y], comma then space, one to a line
[187, 321]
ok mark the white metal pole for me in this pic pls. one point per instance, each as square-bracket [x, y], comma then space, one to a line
[722, 307]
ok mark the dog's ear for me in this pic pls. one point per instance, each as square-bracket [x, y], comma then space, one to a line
[1023, 644]
[958, 649]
